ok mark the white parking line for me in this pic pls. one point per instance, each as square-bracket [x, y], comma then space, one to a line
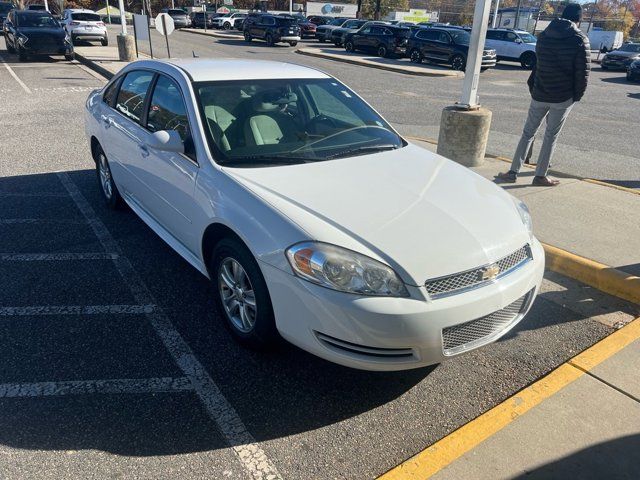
[13, 74]
[55, 221]
[38, 310]
[87, 387]
[48, 257]
[250, 455]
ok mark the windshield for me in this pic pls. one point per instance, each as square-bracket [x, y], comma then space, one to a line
[275, 122]
[176, 11]
[461, 37]
[630, 47]
[5, 7]
[336, 21]
[528, 38]
[86, 17]
[44, 20]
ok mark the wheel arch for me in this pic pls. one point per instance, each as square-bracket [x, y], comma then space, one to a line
[212, 235]
[95, 144]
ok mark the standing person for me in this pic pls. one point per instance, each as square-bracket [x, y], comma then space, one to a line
[558, 80]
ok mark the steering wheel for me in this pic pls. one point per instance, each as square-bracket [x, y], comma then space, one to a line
[177, 124]
[320, 124]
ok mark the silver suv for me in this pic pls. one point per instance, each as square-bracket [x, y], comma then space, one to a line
[81, 24]
[513, 45]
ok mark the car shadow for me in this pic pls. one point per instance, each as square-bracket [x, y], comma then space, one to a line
[622, 80]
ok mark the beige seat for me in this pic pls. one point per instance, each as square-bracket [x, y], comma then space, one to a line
[219, 121]
[268, 125]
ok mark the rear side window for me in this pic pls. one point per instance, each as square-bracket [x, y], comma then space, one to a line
[167, 110]
[85, 17]
[132, 94]
[428, 35]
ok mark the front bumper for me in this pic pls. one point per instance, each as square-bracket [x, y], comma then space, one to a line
[379, 333]
[77, 33]
[47, 49]
[489, 61]
[616, 64]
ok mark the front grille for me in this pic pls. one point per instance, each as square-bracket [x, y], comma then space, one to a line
[458, 282]
[466, 336]
[364, 351]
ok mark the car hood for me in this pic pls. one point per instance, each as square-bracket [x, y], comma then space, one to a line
[622, 53]
[36, 31]
[420, 213]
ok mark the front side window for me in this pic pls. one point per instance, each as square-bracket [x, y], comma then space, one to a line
[528, 38]
[275, 122]
[460, 37]
[132, 94]
[167, 110]
[511, 37]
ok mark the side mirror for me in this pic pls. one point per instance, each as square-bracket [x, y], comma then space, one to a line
[166, 141]
[518, 40]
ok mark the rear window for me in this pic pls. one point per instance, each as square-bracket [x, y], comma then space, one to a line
[86, 17]
[176, 12]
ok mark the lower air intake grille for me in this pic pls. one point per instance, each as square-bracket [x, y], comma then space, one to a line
[477, 332]
[389, 354]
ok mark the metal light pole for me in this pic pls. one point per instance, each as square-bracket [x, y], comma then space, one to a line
[515, 26]
[469, 97]
[108, 13]
[495, 14]
[123, 19]
[46, 5]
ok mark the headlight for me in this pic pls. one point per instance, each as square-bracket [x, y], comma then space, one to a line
[525, 215]
[344, 270]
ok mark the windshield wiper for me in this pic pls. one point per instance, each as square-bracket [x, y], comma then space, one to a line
[363, 150]
[270, 160]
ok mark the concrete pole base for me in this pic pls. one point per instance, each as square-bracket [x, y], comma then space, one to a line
[464, 134]
[126, 48]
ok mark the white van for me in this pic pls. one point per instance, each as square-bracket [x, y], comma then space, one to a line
[605, 40]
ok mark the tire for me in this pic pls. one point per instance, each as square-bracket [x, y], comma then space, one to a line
[70, 57]
[458, 63]
[247, 37]
[322, 40]
[349, 46]
[602, 67]
[226, 26]
[105, 41]
[382, 51]
[107, 184]
[10, 48]
[22, 56]
[293, 44]
[269, 40]
[236, 279]
[415, 56]
[528, 60]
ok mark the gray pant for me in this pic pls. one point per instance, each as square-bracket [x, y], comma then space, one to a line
[556, 114]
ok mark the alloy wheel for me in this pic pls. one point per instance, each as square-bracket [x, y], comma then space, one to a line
[237, 294]
[105, 176]
[458, 63]
[415, 56]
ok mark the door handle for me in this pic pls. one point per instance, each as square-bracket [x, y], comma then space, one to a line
[144, 151]
[106, 121]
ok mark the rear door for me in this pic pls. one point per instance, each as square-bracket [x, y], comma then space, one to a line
[430, 45]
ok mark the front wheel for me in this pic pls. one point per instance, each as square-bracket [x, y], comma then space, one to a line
[322, 39]
[10, 48]
[269, 40]
[528, 60]
[415, 56]
[247, 37]
[293, 44]
[241, 295]
[382, 51]
[108, 188]
[104, 41]
[70, 57]
[227, 26]
[349, 47]
[458, 62]
[22, 56]
[602, 67]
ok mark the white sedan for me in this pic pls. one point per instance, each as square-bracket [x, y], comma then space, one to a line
[314, 219]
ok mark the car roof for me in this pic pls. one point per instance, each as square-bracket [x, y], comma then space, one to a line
[33, 12]
[80, 10]
[214, 69]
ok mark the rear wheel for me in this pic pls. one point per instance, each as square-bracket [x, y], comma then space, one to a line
[458, 62]
[70, 57]
[105, 41]
[415, 56]
[247, 37]
[241, 295]
[382, 51]
[269, 40]
[528, 60]
[293, 44]
[349, 46]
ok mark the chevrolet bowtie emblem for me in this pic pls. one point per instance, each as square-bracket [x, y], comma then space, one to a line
[490, 272]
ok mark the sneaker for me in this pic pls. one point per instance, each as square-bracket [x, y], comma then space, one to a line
[545, 182]
[507, 177]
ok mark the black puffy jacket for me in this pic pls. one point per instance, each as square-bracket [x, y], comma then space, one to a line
[563, 63]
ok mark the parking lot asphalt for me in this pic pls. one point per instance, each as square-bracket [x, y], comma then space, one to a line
[113, 364]
[598, 141]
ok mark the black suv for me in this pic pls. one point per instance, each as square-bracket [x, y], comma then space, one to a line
[198, 20]
[272, 29]
[385, 40]
[34, 32]
[445, 45]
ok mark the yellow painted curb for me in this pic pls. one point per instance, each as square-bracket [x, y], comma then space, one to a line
[603, 277]
[436, 457]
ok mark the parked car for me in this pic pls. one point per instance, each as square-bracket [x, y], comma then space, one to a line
[179, 17]
[338, 34]
[5, 8]
[621, 58]
[513, 45]
[273, 29]
[323, 32]
[226, 21]
[198, 20]
[320, 19]
[262, 175]
[445, 45]
[81, 24]
[633, 72]
[385, 40]
[307, 29]
[35, 32]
